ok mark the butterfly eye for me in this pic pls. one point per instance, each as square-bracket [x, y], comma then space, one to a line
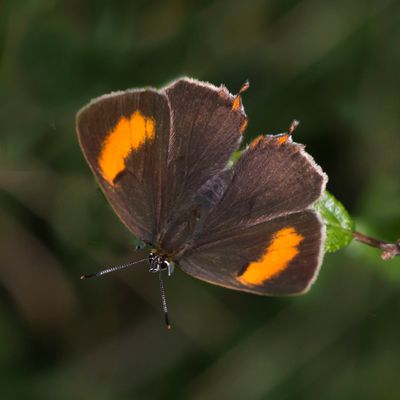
[164, 265]
[152, 256]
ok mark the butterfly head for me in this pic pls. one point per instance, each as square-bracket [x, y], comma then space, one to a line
[159, 263]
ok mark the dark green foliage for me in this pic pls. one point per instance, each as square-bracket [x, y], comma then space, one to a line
[332, 65]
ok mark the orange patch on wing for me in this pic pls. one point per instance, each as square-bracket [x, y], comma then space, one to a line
[127, 135]
[243, 125]
[236, 103]
[282, 249]
[283, 139]
[255, 141]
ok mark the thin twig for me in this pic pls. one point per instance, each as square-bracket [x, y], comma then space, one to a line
[389, 250]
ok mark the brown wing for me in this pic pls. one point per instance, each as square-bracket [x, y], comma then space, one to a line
[124, 137]
[206, 129]
[270, 179]
[260, 236]
[278, 257]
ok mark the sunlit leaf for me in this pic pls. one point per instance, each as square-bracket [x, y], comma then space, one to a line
[234, 157]
[339, 225]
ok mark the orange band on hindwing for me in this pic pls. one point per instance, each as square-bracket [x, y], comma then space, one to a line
[128, 135]
[282, 249]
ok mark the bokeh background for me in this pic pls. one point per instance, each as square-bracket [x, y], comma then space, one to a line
[333, 65]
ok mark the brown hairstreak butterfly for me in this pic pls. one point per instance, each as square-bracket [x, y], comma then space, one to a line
[162, 160]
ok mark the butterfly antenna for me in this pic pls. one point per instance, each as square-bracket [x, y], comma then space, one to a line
[112, 269]
[164, 300]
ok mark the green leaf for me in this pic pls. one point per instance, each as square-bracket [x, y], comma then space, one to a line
[339, 225]
[234, 157]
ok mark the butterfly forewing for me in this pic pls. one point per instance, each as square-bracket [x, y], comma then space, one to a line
[125, 139]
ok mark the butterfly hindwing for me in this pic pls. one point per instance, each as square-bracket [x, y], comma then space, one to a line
[125, 139]
[278, 257]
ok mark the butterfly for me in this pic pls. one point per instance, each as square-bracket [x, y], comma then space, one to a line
[162, 158]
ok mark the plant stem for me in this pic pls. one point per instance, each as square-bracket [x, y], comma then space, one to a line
[389, 250]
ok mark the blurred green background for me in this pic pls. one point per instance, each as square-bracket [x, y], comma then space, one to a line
[333, 65]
